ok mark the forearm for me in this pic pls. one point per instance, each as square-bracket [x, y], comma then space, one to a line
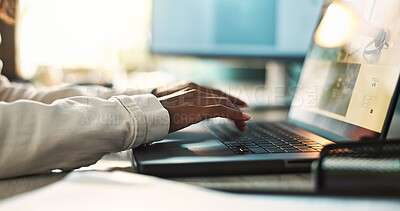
[74, 132]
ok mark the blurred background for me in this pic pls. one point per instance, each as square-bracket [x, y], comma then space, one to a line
[254, 46]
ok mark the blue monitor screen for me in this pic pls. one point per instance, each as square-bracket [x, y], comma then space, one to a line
[265, 28]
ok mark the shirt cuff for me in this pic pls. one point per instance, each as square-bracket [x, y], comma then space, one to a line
[151, 119]
[134, 91]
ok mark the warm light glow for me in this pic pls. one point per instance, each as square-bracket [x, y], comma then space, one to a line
[81, 35]
[337, 27]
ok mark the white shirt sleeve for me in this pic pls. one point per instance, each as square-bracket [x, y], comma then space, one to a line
[10, 92]
[37, 136]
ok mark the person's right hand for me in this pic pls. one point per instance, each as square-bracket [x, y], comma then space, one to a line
[186, 86]
[192, 106]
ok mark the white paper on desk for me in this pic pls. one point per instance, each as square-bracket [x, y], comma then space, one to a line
[121, 190]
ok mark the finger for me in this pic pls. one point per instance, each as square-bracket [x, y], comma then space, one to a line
[168, 89]
[234, 100]
[241, 125]
[215, 101]
[199, 93]
[185, 97]
[224, 111]
[189, 93]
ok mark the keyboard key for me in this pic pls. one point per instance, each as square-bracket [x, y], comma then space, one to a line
[292, 150]
[298, 144]
[315, 145]
[234, 145]
[287, 147]
[277, 150]
[308, 150]
[267, 145]
[308, 142]
[230, 142]
[251, 145]
[303, 146]
[240, 150]
[283, 145]
[258, 150]
[261, 142]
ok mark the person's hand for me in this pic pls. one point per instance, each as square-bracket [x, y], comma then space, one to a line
[185, 86]
[187, 107]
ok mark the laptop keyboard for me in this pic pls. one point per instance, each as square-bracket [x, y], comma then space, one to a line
[263, 138]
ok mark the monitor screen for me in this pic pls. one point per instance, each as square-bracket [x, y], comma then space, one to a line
[352, 68]
[255, 28]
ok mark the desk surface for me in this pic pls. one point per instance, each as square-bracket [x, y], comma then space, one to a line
[123, 161]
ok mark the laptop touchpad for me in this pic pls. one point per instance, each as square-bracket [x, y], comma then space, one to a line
[207, 148]
[189, 147]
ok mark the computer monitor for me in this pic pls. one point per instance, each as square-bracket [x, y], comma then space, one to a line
[244, 28]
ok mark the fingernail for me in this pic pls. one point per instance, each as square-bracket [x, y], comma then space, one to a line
[246, 116]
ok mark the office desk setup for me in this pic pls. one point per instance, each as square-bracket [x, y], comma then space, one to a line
[347, 92]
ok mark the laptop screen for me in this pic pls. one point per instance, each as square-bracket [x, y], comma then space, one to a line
[352, 68]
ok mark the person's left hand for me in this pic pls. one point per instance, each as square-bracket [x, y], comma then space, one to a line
[185, 86]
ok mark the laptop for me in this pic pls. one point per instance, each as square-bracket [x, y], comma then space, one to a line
[347, 92]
